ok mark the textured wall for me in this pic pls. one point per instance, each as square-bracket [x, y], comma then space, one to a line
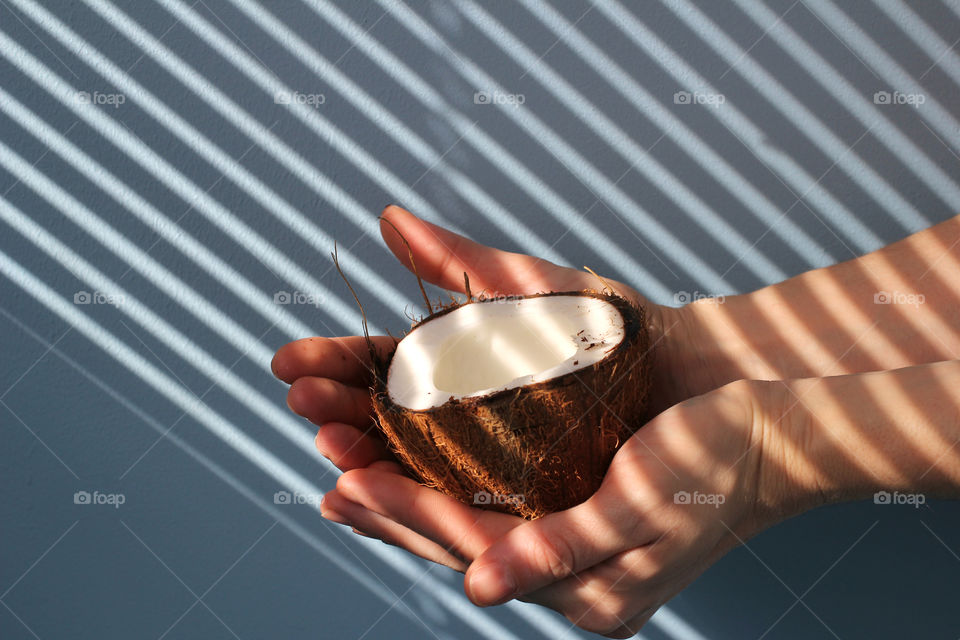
[185, 163]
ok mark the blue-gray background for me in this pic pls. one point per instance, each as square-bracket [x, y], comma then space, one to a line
[186, 163]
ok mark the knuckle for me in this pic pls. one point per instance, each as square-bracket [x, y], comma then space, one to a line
[747, 392]
[739, 386]
[294, 394]
[551, 554]
[349, 482]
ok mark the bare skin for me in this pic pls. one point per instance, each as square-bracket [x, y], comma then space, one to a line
[765, 406]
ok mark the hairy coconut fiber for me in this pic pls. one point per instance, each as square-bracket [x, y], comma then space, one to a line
[527, 450]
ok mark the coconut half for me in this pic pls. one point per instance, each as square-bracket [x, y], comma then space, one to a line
[516, 404]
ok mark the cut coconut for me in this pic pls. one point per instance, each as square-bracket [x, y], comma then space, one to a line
[479, 349]
[517, 404]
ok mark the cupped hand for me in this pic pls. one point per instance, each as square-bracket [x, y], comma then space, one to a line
[686, 488]
[330, 379]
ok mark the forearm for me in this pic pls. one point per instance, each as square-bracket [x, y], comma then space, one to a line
[848, 437]
[896, 307]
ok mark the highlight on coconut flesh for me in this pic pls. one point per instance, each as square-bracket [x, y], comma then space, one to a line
[516, 403]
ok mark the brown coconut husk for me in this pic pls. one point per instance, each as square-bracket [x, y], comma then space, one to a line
[529, 450]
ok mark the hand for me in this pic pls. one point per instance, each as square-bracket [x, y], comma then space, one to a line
[690, 485]
[330, 377]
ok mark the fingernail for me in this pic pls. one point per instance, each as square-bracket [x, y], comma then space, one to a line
[492, 584]
[334, 516]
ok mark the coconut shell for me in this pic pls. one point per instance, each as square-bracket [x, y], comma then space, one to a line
[529, 450]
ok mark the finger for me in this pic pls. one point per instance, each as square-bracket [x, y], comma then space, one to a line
[442, 256]
[346, 359]
[348, 447]
[337, 508]
[322, 400]
[547, 550]
[464, 530]
[389, 466]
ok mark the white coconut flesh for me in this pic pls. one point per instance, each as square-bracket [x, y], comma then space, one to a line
[481, 348]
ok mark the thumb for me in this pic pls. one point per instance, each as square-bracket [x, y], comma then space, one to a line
[442, 256]
[556, 546]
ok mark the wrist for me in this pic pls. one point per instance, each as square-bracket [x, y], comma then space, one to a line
[787, 480]
[684, 364]
[775, 333]
[702, 346]
[856, 435]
